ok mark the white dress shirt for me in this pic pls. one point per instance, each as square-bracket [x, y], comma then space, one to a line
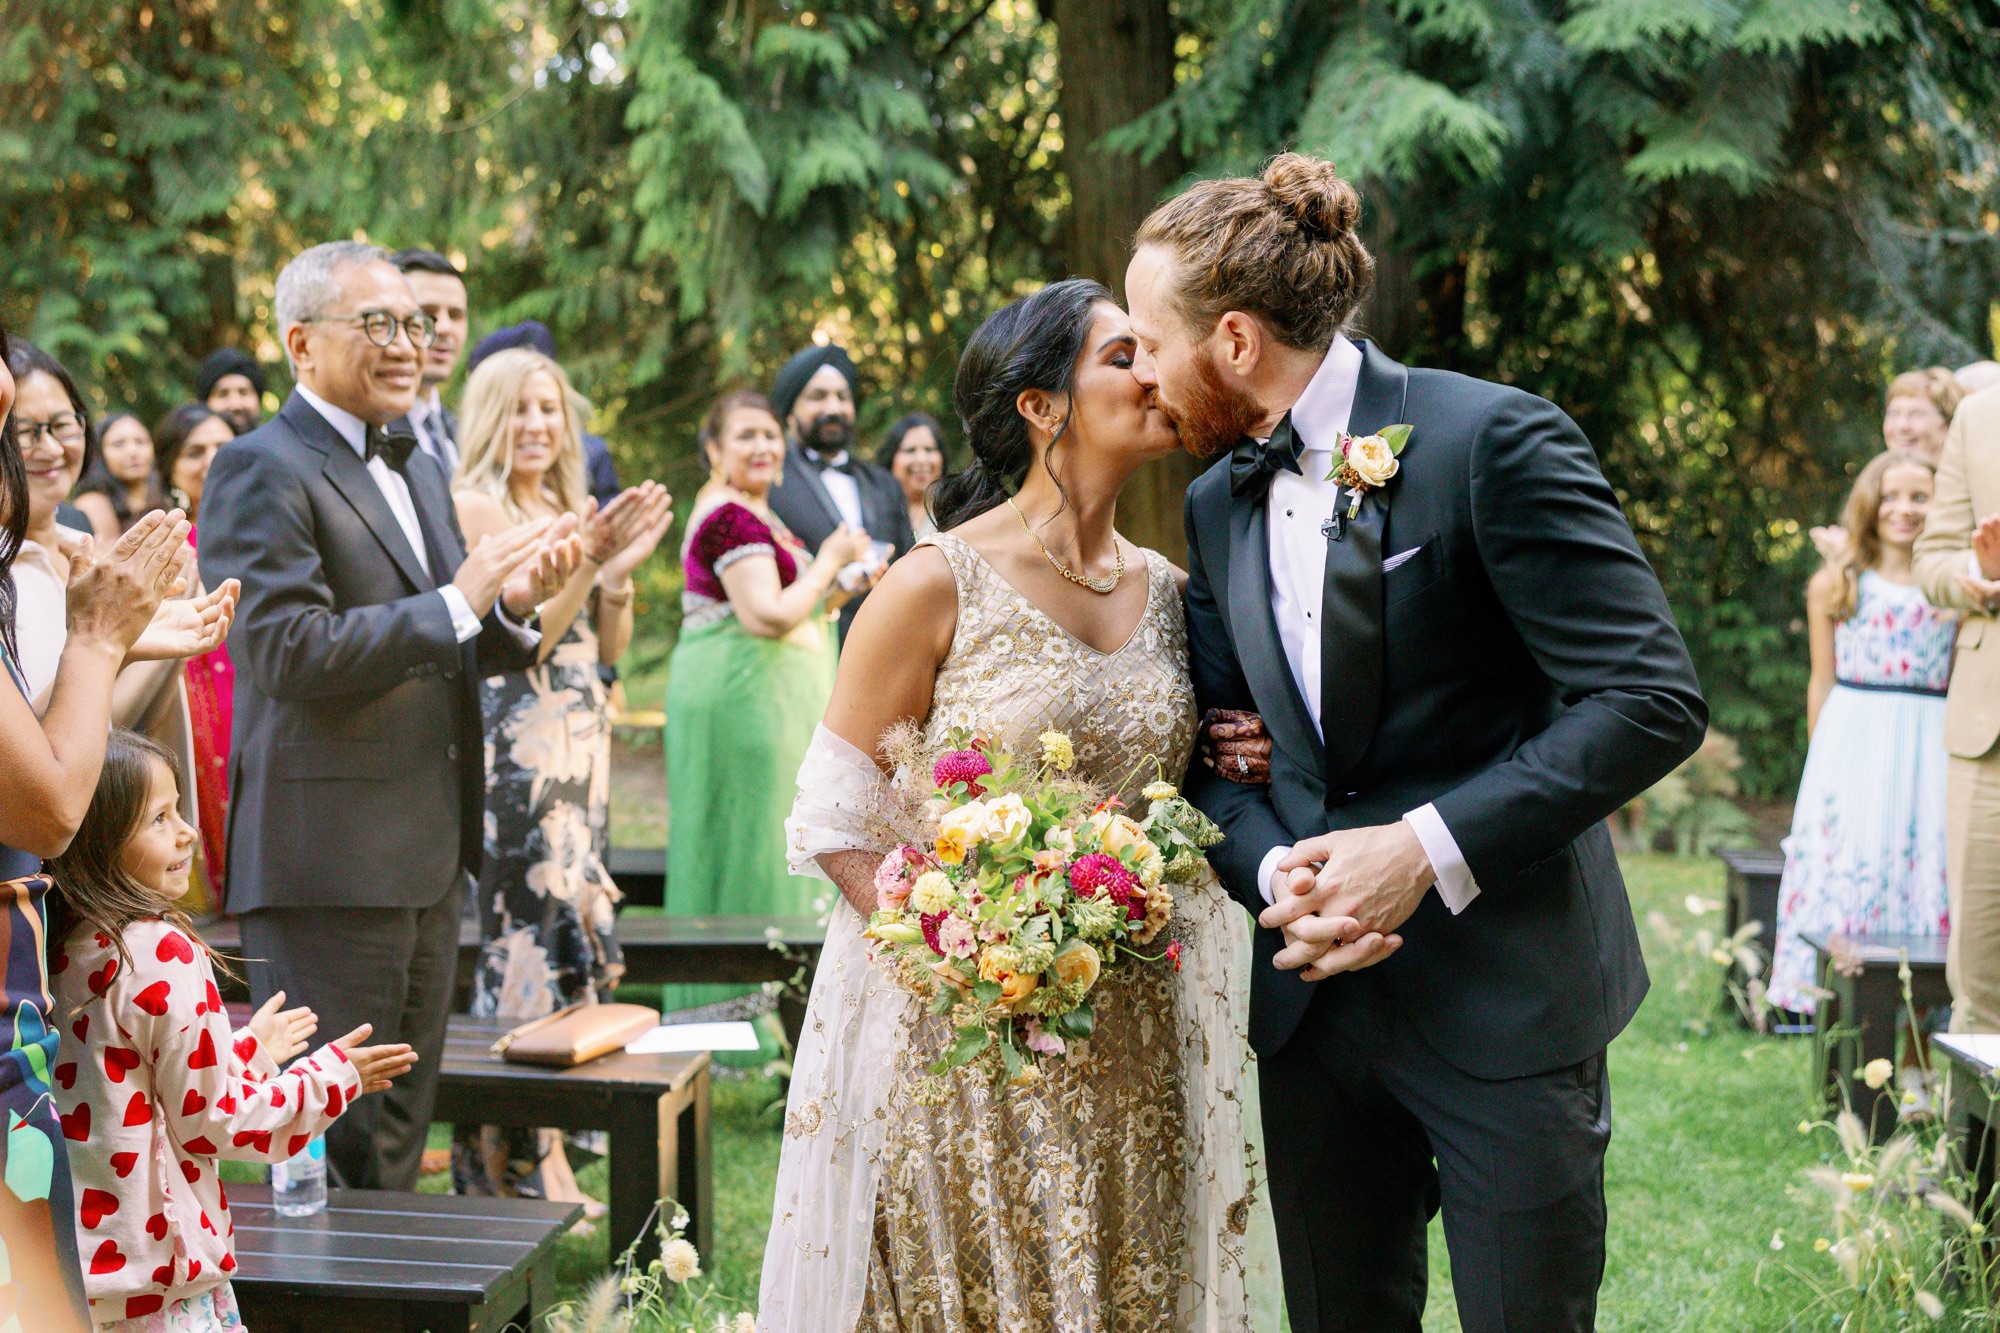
[41, 613]
[427, 418]
[1295, 508]
[396, 491]
[844, 489]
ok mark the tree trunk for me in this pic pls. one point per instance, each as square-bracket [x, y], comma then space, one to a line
[1117, 58]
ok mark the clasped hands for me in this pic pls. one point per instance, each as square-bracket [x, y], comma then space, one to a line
[1985, 590]
[1340, 897]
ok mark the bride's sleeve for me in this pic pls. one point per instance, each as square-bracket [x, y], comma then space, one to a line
[839, 804]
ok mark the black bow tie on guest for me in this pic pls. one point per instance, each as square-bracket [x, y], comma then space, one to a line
[839, 462]
[392, 449]
[1253, 464]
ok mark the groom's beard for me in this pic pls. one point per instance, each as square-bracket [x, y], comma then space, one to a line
[1216, 415]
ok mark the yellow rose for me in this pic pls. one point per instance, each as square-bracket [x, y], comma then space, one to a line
[1077, 962]
[1116, 832]
[951, 846]
[1014, 986]
[1372, 459]
[1007, 820]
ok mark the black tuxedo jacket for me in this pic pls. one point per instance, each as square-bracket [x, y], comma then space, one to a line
[1520, 671]
[801, 500]
[356, 771]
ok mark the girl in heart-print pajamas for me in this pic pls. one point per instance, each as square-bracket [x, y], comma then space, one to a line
[153, 1085]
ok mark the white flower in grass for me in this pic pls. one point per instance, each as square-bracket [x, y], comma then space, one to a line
[680, 1220]
[680, 1261]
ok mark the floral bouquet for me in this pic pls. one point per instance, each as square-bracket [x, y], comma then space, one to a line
[1028, 886]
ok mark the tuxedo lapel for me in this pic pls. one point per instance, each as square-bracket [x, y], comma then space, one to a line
[432, 497]
[1262, 656]
[349, 476]
[1351, 639]
[800, 468]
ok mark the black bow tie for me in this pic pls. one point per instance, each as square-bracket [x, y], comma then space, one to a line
[392, 449]
[1253, 464]
[839, 462]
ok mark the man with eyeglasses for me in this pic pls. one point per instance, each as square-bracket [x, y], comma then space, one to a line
[357, 779]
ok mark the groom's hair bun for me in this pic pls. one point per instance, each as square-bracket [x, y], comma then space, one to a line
[1282, 246]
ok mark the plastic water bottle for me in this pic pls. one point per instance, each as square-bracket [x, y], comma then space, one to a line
[298, 1184]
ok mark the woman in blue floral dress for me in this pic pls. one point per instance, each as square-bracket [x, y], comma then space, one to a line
[1867, 848]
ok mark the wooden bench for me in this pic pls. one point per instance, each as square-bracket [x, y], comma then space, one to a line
[1974, 1110]
[1750, 893]
[383, 1262]
[640, 874]
[653, 1108]
[1857, 1023]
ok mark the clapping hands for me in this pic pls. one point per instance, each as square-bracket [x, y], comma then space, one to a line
[188, 627]
[378, 1066]
[112, 597]
[1985, 590]
[623, 534]
[283, 1033]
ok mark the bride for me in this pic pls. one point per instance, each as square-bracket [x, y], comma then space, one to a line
[1118, 1192]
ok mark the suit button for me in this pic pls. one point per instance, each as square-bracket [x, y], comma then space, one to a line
[451, 751]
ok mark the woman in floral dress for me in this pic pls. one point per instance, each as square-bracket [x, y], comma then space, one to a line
[546, 901]
[1867, 848]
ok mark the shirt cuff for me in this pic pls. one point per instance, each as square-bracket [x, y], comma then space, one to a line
[527, 638]
[464, 624]
[1267, 871]
[1454, 877]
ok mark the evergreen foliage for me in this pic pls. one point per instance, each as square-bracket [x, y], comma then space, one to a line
[1710, 229]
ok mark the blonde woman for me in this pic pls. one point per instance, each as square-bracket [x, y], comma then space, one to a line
[1867, 848]
[545, 898]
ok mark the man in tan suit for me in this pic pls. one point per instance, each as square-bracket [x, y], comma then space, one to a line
[1958, 563]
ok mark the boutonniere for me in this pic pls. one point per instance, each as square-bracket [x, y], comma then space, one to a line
[1367, 462]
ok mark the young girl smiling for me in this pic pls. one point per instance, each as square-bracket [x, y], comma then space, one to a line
[153, 1086]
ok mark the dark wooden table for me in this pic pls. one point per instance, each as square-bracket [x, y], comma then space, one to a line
[1975, 1112]
[1865, 1004]
[382, 1262]
[1750, 894]
[654, 1108]
[659, 949]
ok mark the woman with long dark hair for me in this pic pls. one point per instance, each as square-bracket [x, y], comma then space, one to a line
[51, 765]
[913, 451]
[120, 483]
[1112, 1193]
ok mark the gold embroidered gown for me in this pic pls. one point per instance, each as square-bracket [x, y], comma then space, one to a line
[1115, 1193]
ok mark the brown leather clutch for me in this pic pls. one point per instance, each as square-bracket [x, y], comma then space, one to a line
[577, 1034]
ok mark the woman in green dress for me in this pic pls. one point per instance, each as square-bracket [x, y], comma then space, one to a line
[748, 681]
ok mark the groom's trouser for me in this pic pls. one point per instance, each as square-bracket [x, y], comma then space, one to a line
[1368, 1128]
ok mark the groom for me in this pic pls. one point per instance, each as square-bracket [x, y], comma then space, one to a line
[1466, 665]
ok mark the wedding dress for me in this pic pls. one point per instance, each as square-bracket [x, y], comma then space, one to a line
[1118, 1193]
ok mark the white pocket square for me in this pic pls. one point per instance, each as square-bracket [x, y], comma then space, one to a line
[1401, 557]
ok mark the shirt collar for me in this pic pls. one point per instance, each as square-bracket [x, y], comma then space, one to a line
[426, 407]
[826, 460]
[1322, 411]
[351, 428]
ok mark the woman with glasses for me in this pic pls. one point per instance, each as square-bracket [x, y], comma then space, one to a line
[120, 483]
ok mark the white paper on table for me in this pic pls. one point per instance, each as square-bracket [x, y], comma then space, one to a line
[1983, 1047]
[674, 1038]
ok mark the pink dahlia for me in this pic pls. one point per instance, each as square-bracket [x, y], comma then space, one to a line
[1101, 873]
[967, 766]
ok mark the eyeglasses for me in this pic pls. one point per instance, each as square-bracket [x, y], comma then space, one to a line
[379, 326]
[65, 430]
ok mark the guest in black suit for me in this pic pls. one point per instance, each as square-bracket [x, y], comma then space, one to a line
[825, 487]
[1466, 665]
[356, 773]
[600, 472]
[440, 292]
[231, 384]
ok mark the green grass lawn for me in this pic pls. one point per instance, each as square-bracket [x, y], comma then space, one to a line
[1704, 1154]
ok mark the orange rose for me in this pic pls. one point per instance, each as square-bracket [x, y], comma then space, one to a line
[1014, 986]
[1075, 962]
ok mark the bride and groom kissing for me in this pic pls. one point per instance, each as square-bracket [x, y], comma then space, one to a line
[1464, 665]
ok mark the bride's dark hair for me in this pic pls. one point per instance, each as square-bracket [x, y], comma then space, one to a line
[1032, 343]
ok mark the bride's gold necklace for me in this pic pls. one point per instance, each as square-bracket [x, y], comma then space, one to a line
[1101, 586]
